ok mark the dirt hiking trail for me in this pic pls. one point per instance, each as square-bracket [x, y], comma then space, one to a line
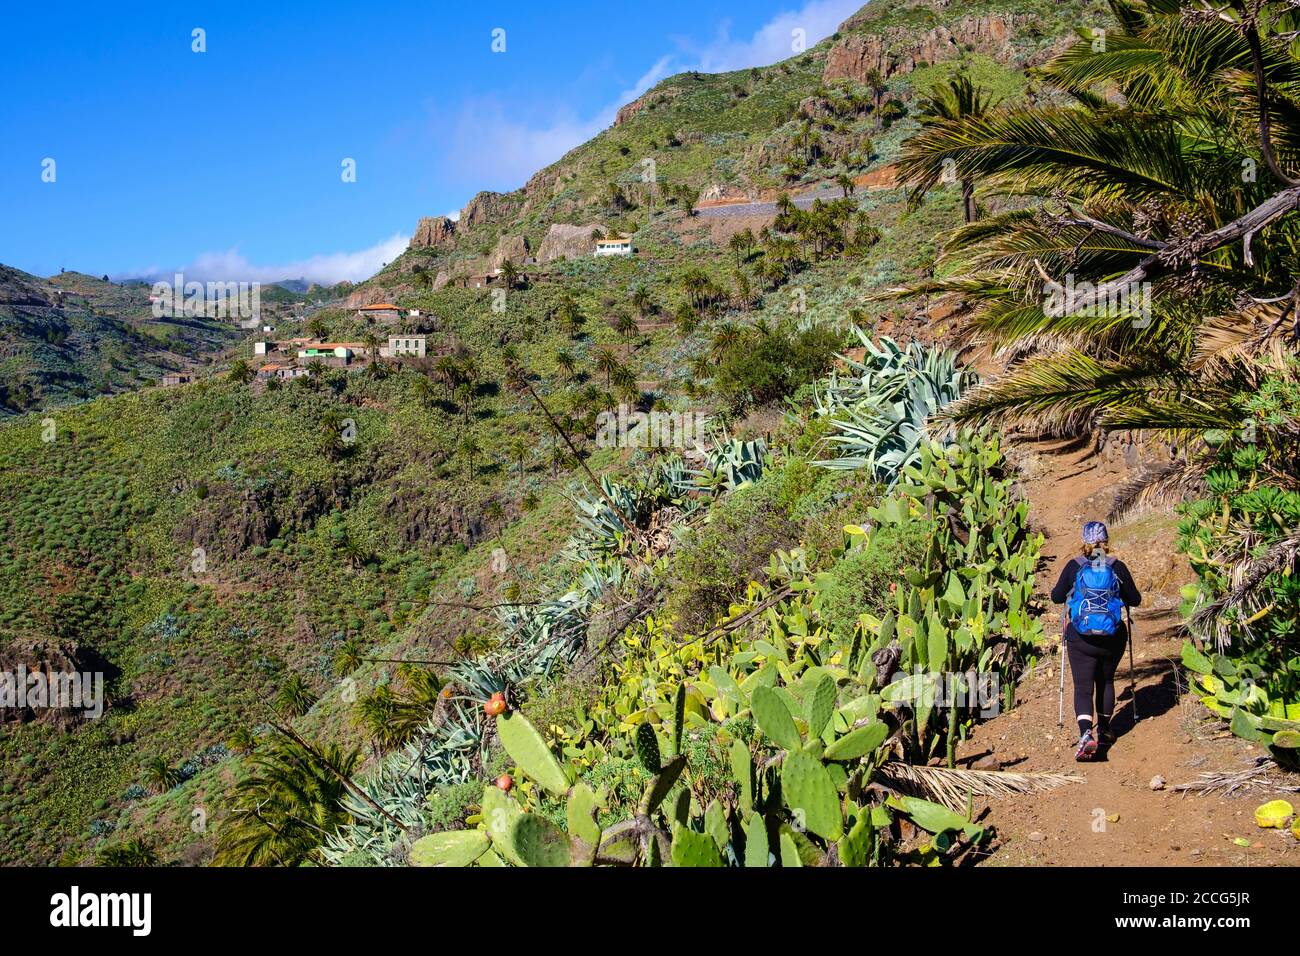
[1115, 817]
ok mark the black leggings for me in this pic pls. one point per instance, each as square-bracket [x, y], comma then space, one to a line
[1092, 666]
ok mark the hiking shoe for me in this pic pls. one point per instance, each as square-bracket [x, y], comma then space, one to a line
[1087, 747]
[1106, 738]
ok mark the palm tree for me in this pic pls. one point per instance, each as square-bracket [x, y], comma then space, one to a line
[289, 803]
[876, 84]
[495, 513]
[520, 448]
[570, 316]
[954, 104]
[509, 274]
[241, 740]
[347, 658]
[295, 697]
[625, 325]
[241, 373]
[744, 297]
[424, 391]
[626, 384]
[606, 362]
[737, 246]
[690, 198]
[447, 371]
[468, 447]
[159, 776]
[130, 853]
[846, 184]
[687, 319]
[727, 336]
[463, 396]
[566, 363]
[1154, 287]
[642, 302]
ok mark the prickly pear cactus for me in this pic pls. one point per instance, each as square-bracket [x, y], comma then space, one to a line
[647, 748]
[451, 848]
[810, 794]
[539, 842]
[528, 749]
[693, 849]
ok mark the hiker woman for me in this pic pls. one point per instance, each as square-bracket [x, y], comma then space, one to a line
[1095, 588]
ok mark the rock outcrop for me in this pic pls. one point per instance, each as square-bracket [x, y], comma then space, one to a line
[433, 232]
[47, 669]
[643, 101]
[370, 294]
[512, 248]
[564, 240]
[898, 50]
[488, 207]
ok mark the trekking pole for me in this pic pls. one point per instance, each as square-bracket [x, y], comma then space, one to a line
[1060, 696]
[1132, 681]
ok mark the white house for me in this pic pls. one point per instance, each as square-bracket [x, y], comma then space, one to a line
[340, 353]
[614, 247]
[413, 346]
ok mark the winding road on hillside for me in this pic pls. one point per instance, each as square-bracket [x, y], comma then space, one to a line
[734, 209]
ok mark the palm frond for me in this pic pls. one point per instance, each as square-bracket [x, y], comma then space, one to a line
[1172, 483]
[950, 786]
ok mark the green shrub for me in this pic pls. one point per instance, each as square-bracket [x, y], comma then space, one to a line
[860, 580]
[767, 366]
[721, 558]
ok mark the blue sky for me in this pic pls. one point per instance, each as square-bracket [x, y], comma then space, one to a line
[227, 163]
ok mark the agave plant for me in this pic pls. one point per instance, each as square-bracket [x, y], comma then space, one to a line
[733, 464]
[881, 411]
[602, 530]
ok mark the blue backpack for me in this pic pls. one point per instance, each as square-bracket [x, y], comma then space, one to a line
[1095, 607]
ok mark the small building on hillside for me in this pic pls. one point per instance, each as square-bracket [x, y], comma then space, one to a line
[614, 247]
[380, 312]
[334, 354]
[284, 371]
[483, 281]
[170, 379]
[405, 346]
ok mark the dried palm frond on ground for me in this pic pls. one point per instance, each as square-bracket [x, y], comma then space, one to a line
[950, 786]
[1265, 775]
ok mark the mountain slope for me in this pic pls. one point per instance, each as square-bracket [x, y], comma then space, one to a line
[218, 543]
[73, 336]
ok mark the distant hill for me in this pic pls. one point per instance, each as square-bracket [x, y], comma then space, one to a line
[351, 512]
[74, 336]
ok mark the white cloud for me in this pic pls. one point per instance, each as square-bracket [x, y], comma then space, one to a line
[499, 151]
[774, 41]
[325, 269]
